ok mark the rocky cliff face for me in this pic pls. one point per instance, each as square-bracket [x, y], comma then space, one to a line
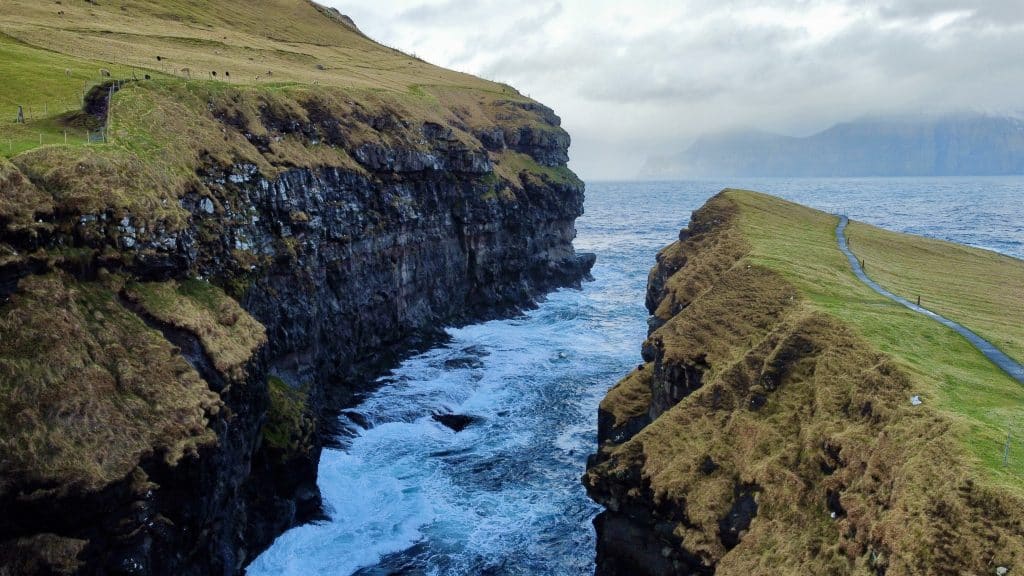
[167, 365]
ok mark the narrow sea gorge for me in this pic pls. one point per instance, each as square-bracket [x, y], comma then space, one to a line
[406, 494]
[430, 288]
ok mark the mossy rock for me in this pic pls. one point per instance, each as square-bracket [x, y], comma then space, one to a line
[290, 423]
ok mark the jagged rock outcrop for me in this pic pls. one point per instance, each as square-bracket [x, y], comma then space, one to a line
[165, 412]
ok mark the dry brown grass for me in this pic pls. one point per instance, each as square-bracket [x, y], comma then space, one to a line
[41, 554]
[94, 180]
[718, 252]
[20, 201]
[229, 335]
[87, 389]
[804, 395]
[744, 305]
[630, 397]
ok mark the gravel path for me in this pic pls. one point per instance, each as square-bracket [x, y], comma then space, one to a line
[1007, 364]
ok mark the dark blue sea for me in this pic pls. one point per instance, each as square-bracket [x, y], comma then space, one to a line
[503, 497]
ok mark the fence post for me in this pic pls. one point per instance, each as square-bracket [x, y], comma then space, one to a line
[21, 115]
[1006, 451]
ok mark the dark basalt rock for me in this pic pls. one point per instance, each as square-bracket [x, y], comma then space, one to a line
[737, 521]
[636, 536]
[466, 362]
[607, 432]
[625, 549]
[708, 466]
[457, 422]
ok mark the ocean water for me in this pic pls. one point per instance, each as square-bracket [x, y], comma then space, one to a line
[407, 495]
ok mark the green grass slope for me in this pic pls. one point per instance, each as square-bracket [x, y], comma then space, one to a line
[230, 54]
[981, 289]
[278, 41]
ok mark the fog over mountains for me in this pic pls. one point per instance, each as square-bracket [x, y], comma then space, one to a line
[951, 145]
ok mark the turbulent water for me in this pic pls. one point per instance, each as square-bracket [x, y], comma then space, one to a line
[408, 495]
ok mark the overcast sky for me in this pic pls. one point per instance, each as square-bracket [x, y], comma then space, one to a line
[632, 79]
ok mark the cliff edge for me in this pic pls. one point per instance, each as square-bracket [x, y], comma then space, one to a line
[788, 420]
[244, 215]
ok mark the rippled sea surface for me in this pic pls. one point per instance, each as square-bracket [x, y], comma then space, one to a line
[410, 496]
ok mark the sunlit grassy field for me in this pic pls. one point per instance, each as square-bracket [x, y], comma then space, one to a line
[977, 288]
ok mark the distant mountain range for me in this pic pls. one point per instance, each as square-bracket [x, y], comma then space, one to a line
[959, 145]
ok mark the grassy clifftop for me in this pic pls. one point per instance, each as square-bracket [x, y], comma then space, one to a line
[279, 41]
[800, 243]
[200, 65]
[781, 435]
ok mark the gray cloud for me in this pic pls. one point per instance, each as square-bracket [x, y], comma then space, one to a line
[648, 76]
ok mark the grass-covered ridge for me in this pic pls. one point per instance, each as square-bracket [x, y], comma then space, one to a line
[986, 403]
[289, 85]
[279, 41]
[52, 54]
[802, 401]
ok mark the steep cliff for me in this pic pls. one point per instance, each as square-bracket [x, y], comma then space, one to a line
[771, 429]
[183, 306]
